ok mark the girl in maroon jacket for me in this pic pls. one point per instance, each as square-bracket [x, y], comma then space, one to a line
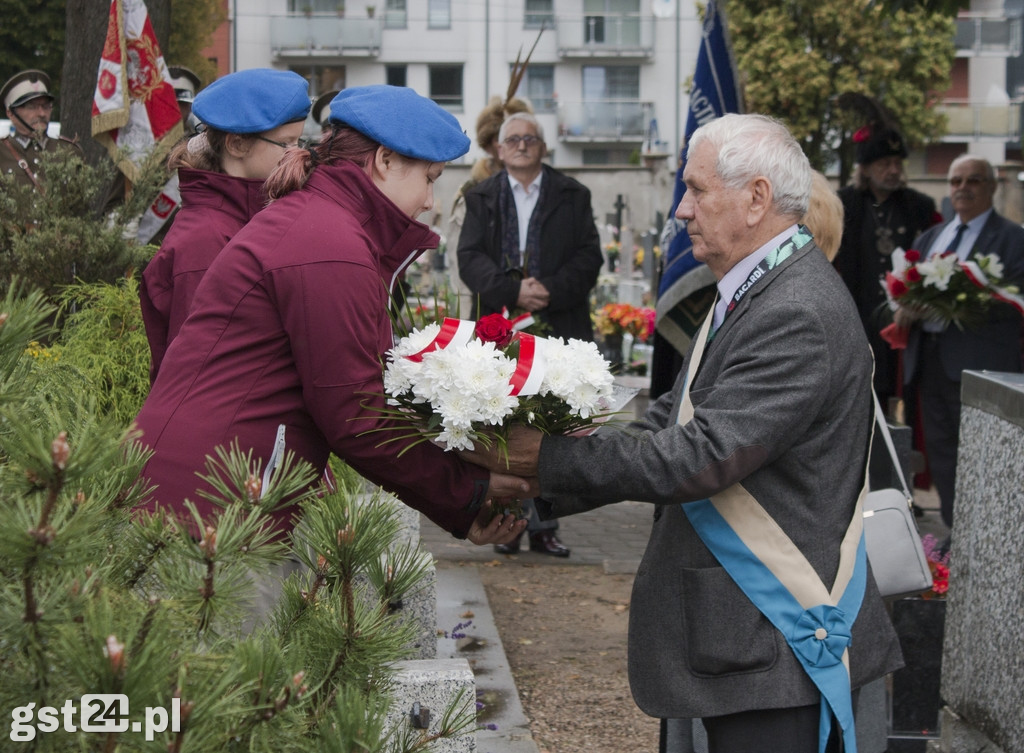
[290, 323]
[249, 119]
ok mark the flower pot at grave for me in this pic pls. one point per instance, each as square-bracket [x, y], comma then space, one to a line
[611, 349]
[915, 701]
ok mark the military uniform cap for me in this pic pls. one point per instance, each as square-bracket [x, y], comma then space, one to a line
[402, 120]
[321, 112]
[24, 87]
[253, 101]
[185, 82]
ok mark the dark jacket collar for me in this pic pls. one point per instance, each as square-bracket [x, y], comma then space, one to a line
[558, 188]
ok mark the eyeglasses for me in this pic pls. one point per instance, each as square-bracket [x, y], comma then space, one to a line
[301, 143]
[970, 180]
[39, 103]
[513, 142]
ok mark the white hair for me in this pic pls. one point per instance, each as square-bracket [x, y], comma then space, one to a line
[756, 145]
[524, 116]
[990, 172]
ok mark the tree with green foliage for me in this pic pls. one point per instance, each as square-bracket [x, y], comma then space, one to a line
[192, 25]
[54, 236]
[945, 7]
[796, 57]
[102, 340]
[32, 36]
[97, 597]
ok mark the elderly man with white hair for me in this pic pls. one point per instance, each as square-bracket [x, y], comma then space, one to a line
[754, 608]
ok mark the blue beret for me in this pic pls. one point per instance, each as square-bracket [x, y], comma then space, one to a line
[253, 101]
[402, 120]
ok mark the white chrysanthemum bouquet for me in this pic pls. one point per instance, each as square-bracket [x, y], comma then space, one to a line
[459, 382]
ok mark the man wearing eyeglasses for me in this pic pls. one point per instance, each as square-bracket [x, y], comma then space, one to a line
[529, 243]
[29, 105]
[937, 354]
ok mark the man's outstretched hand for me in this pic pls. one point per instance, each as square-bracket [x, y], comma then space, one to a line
[518, 455]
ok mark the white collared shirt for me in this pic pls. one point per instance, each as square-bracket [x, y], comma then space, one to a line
[967, 240]
[738, 275]
[526, 201]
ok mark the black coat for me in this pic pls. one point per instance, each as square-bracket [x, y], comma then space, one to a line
[570, 257]
[906, 214]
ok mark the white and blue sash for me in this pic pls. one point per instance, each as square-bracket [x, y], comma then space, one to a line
[777, 578]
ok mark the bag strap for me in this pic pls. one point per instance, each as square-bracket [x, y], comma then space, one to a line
[884, 426]
[23, 164]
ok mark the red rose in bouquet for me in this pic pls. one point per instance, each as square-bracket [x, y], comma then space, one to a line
[494, 328]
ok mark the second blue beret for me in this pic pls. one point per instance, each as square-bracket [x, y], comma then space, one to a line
[402, 120]
[253, 101]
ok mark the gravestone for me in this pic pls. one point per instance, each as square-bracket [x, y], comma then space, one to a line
[982, 670]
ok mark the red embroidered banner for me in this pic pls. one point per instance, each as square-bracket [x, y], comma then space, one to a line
[134, 110]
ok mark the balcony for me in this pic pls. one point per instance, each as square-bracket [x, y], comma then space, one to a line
[978, 121]
[987, 35]
[609, 36]
[603, 121]
[324, 36]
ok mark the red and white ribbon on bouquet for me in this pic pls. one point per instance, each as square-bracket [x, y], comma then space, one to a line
[520, 322]
[978, 277]
[456, 332]
[529, 373]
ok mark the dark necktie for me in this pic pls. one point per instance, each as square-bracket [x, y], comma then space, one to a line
[956, 239]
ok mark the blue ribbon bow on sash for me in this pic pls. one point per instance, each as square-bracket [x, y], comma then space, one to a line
[819, 635]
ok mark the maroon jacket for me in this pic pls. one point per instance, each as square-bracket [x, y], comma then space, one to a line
[214, 207]
[289, 326]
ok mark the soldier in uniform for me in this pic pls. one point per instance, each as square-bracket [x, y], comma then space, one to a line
[186, 84]
[321, 111]
[28, 102]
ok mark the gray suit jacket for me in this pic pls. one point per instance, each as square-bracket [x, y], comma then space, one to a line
[996, 344]
[782, 404]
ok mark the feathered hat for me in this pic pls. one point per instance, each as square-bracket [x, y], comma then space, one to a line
[880, 135]
[489, 121]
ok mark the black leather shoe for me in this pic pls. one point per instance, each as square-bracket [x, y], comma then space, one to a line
[510, 548]
[546, 542]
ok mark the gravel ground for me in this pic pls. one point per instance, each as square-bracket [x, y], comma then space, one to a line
[564, 632]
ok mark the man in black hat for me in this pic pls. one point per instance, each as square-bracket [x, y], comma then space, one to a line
[28, 103]
[880, 214]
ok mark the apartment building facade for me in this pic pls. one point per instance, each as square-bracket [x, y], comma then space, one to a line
[603, 71]
[606, 79]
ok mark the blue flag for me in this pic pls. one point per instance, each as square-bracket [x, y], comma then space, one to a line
[687, 285]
